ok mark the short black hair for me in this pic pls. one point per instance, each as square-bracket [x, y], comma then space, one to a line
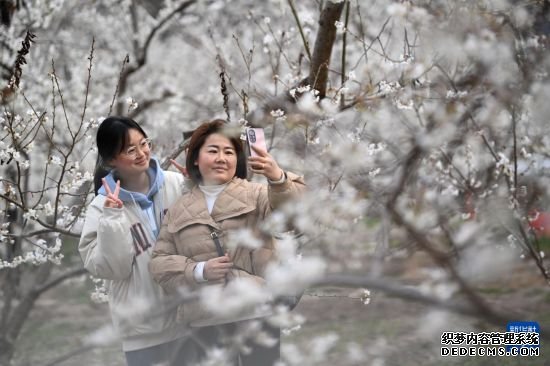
[197, 140]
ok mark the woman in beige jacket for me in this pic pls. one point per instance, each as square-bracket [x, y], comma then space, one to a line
[187, 257]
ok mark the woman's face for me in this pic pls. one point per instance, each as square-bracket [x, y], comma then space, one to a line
[217, 160]
[134, 158]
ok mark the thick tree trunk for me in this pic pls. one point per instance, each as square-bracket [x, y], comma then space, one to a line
[318, 75]
[320, 60]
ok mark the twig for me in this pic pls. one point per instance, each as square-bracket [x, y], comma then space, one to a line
[279, 43]
[20, 60]
[381, 53]
[244, 94]
[124, 63]
[247, 61]
[344, 38]
[536, 257]
[148, 103]
[61, 98]
[179, 9]
[300, 28]
[56, 281]
[361, 28]
[408, 293]
[90, 58]
[223, 88]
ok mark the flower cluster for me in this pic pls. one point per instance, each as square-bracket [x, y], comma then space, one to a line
[37, 256]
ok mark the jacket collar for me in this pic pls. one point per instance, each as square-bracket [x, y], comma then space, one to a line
[233, 201]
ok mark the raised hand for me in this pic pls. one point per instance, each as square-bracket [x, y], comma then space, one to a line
[217, 268]
[265, 164]
[112, 200]
[181, 168]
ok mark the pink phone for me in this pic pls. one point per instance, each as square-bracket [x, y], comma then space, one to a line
[256, 137]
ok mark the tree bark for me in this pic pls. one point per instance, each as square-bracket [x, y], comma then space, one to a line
[7, 8]
[318, 74]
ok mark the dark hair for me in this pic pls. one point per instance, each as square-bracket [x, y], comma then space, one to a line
[197, 140]
[111, 139]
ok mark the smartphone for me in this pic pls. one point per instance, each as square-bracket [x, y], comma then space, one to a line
[256, 137]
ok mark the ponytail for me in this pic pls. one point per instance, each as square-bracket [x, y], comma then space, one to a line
[100, 172]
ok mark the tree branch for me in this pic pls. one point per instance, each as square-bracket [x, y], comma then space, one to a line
[408, 293]
[300, 28]
[146, 104]
[58, 280]
[142, 57]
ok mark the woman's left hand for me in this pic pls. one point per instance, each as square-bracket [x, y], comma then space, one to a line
[181, 168]
[265, 164]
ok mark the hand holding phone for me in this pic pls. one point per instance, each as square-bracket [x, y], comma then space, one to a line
[260, 161]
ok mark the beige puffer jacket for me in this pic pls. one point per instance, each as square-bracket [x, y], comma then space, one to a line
[185, 237]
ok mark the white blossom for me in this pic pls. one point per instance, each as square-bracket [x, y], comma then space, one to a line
[132, 103]
[340, 27]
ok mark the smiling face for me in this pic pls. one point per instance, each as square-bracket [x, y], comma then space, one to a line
[217, 160]
[135, 156]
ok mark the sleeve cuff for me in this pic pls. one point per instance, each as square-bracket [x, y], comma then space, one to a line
[280, 181]
[198, 272]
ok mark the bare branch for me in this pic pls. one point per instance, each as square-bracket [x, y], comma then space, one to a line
[223, 87]
[300, 28]
[125, 61]
[148, 103]
[87, 92]
[344, 38]
[58, 280]
[142, 57]
[408, 293]
[61, 98]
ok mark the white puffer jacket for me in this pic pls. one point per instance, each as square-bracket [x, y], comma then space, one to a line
[116, 245]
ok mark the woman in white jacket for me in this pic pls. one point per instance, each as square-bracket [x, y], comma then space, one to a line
[119, 234]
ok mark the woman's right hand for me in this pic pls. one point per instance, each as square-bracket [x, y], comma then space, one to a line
[112, 200]
[263, 163]
[217, 268]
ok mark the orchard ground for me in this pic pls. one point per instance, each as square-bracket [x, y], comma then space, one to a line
[387, 331]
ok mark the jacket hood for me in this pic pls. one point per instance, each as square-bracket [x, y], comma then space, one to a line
[156, 179]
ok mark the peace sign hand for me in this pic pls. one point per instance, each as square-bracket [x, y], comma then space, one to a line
[112, 200]
[181, 168]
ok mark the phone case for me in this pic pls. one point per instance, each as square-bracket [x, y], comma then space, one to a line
[256, 137]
